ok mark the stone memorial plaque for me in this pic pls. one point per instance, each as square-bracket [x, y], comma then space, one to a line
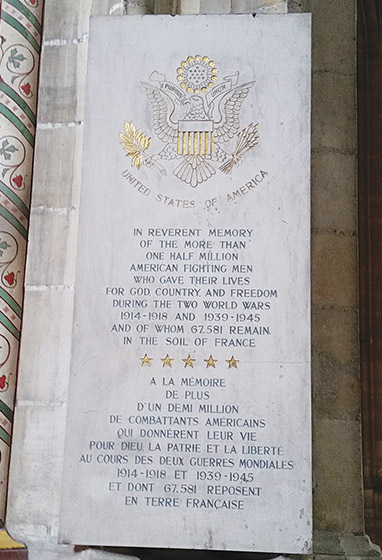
[189, 401]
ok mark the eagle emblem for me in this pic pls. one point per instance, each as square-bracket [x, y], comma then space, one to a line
[196, 119]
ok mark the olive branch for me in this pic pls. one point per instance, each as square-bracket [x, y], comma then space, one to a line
[246, 140]
[135, 143]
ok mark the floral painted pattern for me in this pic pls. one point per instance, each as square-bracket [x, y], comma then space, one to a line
[20, 44]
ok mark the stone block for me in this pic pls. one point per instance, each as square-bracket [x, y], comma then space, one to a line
[215, 6]
[188, 7]
[45, 350]
[298, 6]
[36, 468]
[330, 546]
[359, 545]
[337, 479]
[326, 543]
[335, 337]
[139, 7]
[164, 6]
[334, 270]
[65, 20]
[333, 114]
[68, 20]
[334, 191]
[336, 392]
[52, 247]
[334, 51]
[57, 185]
[259, 6]
[62, 83]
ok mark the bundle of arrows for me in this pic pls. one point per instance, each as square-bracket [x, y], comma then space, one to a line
[246, 140]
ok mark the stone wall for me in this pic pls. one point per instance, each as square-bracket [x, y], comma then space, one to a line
[40, 412]
[336, 384]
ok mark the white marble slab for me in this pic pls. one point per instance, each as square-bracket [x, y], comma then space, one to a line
[189, 406]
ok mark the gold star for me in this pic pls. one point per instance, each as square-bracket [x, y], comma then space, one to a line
[167, 361]
[232, 363]
[189, 362]
[210, 362]
[146, 361]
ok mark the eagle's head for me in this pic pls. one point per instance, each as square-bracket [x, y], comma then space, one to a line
[196, 108]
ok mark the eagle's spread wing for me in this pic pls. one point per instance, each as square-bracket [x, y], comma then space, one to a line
[229, 109]
[163, 108]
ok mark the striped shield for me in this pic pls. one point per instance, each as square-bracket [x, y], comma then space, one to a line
[195, 138]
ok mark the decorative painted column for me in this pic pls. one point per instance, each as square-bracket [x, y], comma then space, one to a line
[20, 43]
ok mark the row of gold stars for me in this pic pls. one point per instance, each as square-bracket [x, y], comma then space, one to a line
[188, 362]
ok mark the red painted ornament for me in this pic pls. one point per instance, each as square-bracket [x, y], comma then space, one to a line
[3, 381]
[18, 181]
[10, 278]
[26, 88]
